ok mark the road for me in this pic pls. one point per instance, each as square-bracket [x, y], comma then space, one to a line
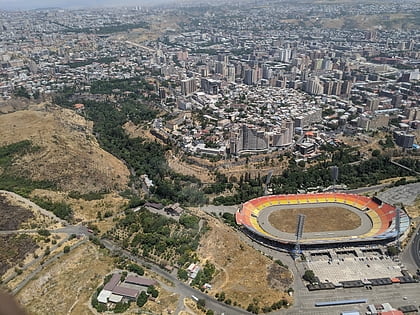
[32, 262]
[304, 300]
[411, 253]
[415, 248]
[39, 268]
[181, 288]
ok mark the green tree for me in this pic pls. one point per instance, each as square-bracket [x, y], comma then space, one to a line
[142, 299]
[66, 249]
[392, 250]
[309, 276]
[44, 232]
[153, 291]
[182, 274]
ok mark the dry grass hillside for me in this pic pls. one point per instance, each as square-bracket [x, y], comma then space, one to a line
[67, 292]
[85, 210]
[246, 276]
[69, 154]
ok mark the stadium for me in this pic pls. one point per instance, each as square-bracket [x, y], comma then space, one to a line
[331, 219]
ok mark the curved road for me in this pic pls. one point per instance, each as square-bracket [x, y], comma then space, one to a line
[181, 287]
[415, 248]
[411, 254]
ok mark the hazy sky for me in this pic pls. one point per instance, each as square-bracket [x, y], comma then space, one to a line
[33, 4]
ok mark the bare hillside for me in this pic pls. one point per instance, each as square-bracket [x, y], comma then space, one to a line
[69, 154]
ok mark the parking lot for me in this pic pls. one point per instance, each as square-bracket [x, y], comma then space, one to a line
[354, 268]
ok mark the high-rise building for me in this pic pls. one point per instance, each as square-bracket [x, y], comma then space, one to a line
[188, 86]
[372, 104]
[403, 139]
[314, 86]
[231, 73]
[210, 86]
[221, 68]
[346, 87]
[251, 76]
[337, 87]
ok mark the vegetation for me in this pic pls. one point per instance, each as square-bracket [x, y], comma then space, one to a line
[22, 92]
[387, 143]
[88, 196]
[153, 291]
[121, 307]
[94, 302]
[157, 237]
[280, 263]
[189, 221]
[392, 250]
[309, 276]
[136, 269]
[142, 156]
[60, 209]
[142, 299]
[105, 60]
[14, 248]
[106, 29]
[354, 172]
[205, 275]
[11, 179]
[12, 216]
[66, 249]
[229, 219]
[44, 232]
[182, 274]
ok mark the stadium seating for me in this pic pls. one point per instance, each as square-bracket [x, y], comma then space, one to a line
[382, 215]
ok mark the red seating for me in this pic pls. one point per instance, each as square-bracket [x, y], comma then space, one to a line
[385, 212]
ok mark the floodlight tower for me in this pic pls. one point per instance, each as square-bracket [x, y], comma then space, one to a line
[334, 175]
[267, 182]
[299, 231]
[397, 225]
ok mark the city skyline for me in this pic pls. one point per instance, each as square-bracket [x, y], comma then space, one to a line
[65, 4]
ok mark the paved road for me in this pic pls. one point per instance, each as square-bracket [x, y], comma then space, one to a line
[366, 189]
[182, 288]
[410, 257]
[415, 248]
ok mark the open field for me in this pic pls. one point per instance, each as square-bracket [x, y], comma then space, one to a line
[135, 131]
[165, 303]
[318, 219]
[65, 286]
[243, 274]
[158, 25]
[68, 154]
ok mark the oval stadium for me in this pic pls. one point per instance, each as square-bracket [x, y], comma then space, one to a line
[331, 219]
